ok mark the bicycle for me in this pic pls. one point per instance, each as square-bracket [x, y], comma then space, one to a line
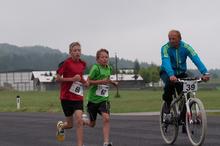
[195, 117]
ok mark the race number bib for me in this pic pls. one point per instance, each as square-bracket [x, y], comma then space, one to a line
[102, 90]
[77, 88]
[190, 86]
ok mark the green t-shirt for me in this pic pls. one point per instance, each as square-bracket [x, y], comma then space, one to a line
[98, 72]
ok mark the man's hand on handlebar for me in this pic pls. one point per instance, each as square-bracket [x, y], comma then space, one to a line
[205, 77]
[173, 78]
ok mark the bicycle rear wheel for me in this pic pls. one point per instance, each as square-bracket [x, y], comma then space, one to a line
[196, 122]
[169, 131]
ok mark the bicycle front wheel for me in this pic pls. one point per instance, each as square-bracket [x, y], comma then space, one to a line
[169, 130]
[196, 122]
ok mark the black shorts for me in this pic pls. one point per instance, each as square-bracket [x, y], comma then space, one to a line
[69, 107]
[94, 108]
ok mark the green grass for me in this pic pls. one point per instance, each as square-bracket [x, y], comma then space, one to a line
[210, 99]
[136, 101]
[214, 81]
[30, 101]
[129, 101]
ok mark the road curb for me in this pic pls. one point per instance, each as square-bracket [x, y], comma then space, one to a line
[153, 113]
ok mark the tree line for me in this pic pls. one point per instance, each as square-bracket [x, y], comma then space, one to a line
[14, 58]
[151, 73]
[33, 58]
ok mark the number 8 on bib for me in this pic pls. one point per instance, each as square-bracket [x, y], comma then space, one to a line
[77, 88]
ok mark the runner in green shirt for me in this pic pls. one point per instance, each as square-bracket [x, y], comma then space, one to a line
[97, 73]
[98, 96]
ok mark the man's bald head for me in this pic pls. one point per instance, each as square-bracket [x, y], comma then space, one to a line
[175, 32]
[174, 38]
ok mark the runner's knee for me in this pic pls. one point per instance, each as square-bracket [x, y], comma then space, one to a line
[106, 118]
[79, 122]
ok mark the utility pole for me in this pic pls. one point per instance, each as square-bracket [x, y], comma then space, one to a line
[116, 73]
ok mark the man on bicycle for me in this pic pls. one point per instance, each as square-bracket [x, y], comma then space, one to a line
[173, 56]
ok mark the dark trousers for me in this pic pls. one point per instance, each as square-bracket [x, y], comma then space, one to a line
[169, 90]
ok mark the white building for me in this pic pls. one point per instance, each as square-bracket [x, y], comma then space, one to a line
[44, 80]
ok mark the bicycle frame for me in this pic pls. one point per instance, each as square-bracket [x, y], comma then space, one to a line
[178, 107]
[176, 100]
[191, 93]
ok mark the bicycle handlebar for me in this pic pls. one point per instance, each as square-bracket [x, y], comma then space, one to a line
[190, 79]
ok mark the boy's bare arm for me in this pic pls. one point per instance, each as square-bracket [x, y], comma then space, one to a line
[72, 79]
[104, 81]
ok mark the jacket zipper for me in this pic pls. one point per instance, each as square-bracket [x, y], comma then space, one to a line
[177, 62]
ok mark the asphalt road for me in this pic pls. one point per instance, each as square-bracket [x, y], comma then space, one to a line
[38, 129]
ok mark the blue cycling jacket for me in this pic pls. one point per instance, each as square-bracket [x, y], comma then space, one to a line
[174, 60]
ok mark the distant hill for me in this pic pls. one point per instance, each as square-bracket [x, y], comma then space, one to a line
[28, 58]
[14, 58]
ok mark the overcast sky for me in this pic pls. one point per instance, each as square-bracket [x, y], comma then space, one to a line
[134, 29]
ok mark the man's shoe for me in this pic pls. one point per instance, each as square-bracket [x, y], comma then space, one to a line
[167, 118]
[60, 131]
[85, 119]
[59, 125]
[183, 128]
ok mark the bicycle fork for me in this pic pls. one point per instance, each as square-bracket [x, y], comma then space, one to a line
[188, 112]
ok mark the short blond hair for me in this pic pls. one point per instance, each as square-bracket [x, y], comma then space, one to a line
[99, 52]
[73, 44]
